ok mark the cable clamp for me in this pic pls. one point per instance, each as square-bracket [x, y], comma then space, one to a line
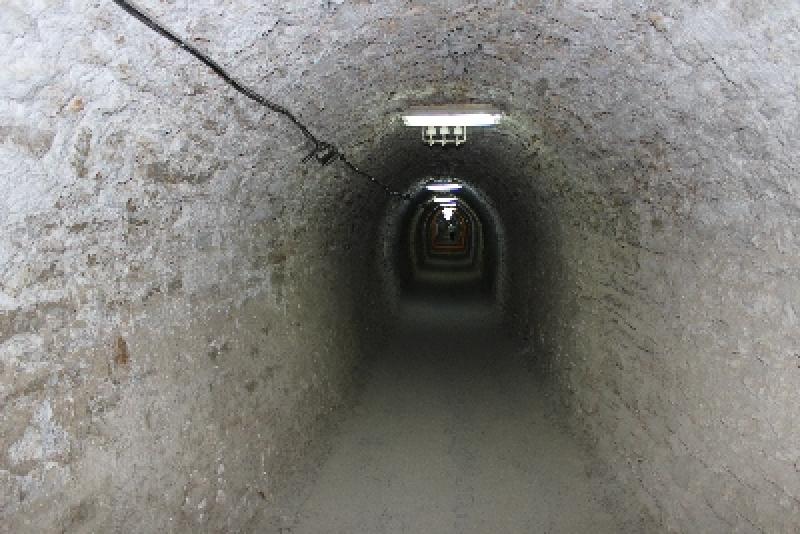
[323, 152]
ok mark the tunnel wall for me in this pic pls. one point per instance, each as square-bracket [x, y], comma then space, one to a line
[662, 295]
[179, 301]
[671, 346]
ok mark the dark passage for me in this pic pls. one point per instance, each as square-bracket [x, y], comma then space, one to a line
[452, 430]
[451, 433]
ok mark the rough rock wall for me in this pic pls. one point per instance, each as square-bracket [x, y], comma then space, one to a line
[177, 292]
[666, 266]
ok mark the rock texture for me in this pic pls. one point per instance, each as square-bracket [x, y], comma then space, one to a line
[181, 298]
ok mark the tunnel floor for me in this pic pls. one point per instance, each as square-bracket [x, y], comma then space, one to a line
[450, 433]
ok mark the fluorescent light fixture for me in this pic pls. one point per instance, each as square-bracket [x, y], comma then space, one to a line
[453, 115]
[444, 200]
[444, 188]
[447, 125]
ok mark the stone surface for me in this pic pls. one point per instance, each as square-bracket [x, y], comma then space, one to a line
[646, 179]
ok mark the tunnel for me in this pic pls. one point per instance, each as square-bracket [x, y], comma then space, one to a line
[205, 328]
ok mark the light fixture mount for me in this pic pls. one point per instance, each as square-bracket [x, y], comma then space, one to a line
[447, 125]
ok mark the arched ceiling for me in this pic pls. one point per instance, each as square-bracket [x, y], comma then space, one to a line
[618, 91]
[685, 108]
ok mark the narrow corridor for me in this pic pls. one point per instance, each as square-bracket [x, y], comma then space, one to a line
[452, 433]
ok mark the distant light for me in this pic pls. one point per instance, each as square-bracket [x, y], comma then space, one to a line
[448, 212]
[443, 187]
[444, 200]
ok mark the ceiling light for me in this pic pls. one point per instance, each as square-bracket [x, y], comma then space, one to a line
[443, 187]
[453, 115]
[445, 125]
[444, 200]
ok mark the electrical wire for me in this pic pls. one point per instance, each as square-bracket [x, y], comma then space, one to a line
[324, 152]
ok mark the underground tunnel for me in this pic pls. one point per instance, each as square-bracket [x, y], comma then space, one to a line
[202, 329]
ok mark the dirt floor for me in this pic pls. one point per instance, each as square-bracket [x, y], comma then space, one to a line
[451, 433]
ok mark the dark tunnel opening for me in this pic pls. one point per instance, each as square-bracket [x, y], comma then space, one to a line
[447, 244]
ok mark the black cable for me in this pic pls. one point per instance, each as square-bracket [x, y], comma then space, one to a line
[323, 152]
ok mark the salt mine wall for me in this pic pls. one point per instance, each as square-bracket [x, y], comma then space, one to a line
[177, 291]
